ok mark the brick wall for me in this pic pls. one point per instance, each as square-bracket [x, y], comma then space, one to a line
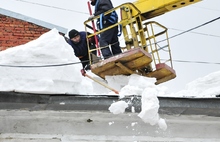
[14, 32]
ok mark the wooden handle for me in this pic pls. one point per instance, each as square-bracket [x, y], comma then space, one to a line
[103, 84]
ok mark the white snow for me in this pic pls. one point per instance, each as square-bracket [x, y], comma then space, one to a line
[204, 87]
[35, 68]
[150, 103]
[162, 124]
[118, 107]
[133, 124]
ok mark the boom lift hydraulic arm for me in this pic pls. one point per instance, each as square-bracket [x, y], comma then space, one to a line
[153, 8]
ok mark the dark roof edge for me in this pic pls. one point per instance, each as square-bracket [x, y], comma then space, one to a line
[172, 106]
[32, 20]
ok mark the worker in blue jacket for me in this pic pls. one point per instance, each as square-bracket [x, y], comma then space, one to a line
[109, 37]
[79, 44]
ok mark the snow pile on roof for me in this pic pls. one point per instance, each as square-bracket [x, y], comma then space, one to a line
[48, 50]
[204, 87]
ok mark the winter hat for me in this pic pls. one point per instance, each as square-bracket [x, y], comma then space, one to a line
[93, 2]
[73, 33]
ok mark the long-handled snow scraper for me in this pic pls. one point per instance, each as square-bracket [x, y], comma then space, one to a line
[101, 83]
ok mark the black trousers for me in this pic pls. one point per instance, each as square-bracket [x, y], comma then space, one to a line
[109, 38]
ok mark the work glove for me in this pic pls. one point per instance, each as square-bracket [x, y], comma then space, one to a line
[90, 17]
[87, 67]
[92, 40]
[83, 72]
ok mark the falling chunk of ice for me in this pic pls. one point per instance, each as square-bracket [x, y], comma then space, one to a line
[110, 123]
[118, 107]
[162, 124]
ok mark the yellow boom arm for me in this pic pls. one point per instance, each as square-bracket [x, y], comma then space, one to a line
[153, 8]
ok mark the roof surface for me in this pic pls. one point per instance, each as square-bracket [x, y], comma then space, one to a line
[168, 105]
[60, 117]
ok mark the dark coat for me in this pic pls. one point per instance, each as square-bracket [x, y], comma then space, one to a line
[102, 6]
[80, 49]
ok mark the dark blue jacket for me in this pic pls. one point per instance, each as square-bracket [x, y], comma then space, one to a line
[102, 6]
[80, 49]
